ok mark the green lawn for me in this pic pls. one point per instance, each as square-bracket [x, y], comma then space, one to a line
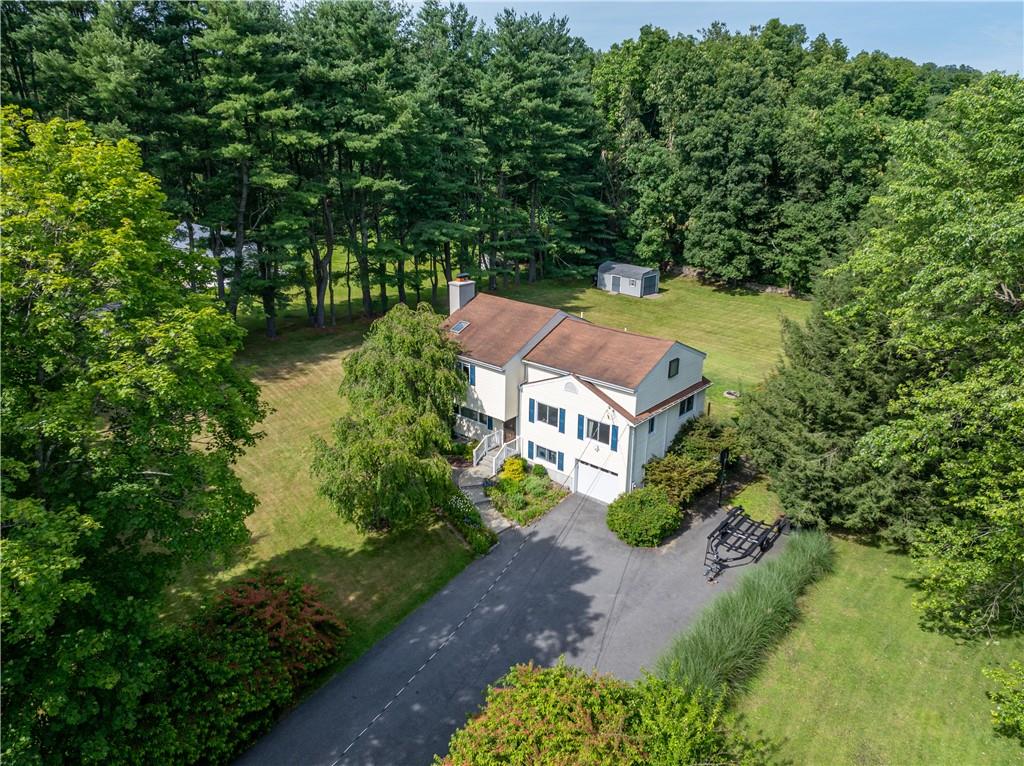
[858, 682]
[373, 581]
[738, 329]
[758, 500]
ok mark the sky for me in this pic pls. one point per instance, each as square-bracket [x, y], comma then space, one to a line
[985, 35]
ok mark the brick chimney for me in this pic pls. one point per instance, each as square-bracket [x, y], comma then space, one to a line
[461, 291]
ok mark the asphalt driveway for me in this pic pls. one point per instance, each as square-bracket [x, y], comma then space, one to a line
[563, 586]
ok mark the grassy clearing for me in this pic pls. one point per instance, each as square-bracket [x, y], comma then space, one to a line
[858, 682]
[758, 500]
[739, 330]
[373, 581]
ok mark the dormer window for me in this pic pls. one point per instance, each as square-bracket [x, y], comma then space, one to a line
[460, 326]
[673, 368]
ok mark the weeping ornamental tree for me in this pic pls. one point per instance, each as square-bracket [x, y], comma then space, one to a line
[122, 416]
[384, 468]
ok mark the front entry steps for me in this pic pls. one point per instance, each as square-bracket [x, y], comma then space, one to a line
[471, 481]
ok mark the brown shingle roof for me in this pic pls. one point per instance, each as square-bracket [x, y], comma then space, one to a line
[498, 327]
[600, 353]
[642, 416]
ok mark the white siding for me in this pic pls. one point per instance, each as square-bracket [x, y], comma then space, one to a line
[658, 386]
[666, 426]
[488, 393]
[471, 429]
[567, 394]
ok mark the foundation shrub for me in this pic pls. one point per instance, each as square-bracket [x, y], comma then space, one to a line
[682, 476]
[644, 517]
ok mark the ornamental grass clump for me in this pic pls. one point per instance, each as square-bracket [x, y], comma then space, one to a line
[731, 638]
[644, 517]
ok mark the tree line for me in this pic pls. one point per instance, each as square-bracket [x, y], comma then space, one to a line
[362, 142]
[898, 410]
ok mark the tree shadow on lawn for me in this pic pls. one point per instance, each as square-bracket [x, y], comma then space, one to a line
[296, 350]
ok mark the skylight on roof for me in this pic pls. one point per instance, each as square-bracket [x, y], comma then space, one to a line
[460, 326]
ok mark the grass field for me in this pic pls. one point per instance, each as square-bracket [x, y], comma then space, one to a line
[858, 682]
[738, 329]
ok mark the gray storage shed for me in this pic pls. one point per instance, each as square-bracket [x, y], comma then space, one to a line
[627, 279]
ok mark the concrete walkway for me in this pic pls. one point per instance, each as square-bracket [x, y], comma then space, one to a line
[472, 480]
[563, 586]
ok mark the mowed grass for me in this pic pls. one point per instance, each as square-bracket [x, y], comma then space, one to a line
[758, 500]
[739, 330]
[373, 581]
[859, 682]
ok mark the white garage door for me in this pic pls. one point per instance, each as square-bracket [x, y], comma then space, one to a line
[597, 482]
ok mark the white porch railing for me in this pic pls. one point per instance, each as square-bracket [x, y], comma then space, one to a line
[507, 450]
[489, 442]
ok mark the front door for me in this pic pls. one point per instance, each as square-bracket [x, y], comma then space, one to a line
[615, 284]
[510, 431]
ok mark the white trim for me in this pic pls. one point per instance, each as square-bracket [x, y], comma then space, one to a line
[471, 360]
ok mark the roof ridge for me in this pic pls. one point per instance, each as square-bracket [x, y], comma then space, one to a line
[631, 334]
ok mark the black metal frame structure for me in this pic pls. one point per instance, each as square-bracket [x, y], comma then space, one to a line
[739, 539]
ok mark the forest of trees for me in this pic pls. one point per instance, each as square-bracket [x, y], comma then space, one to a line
[366, 145]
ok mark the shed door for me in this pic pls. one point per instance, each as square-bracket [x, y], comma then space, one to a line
[615, 284]
[650, 284]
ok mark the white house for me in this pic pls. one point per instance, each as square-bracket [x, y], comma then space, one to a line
[590, 404]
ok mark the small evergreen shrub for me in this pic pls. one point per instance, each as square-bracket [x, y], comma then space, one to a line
[539, 470]
[644, 517]
[727, 644]
[682, 476]
[561, 715]
[704, 439]
[464, 516]
[513, 469]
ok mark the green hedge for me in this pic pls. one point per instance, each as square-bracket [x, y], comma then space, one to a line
[731, 638]
[464, 516]
[644, 517]
[561, 715]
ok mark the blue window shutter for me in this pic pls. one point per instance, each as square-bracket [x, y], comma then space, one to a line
[529, 450]
[561, 461]
[561, 420]
[472, 374]
[531, 410]
[490, 423]
[579, 427]
[615, 438]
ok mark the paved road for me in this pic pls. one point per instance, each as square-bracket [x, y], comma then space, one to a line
[563, 586]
